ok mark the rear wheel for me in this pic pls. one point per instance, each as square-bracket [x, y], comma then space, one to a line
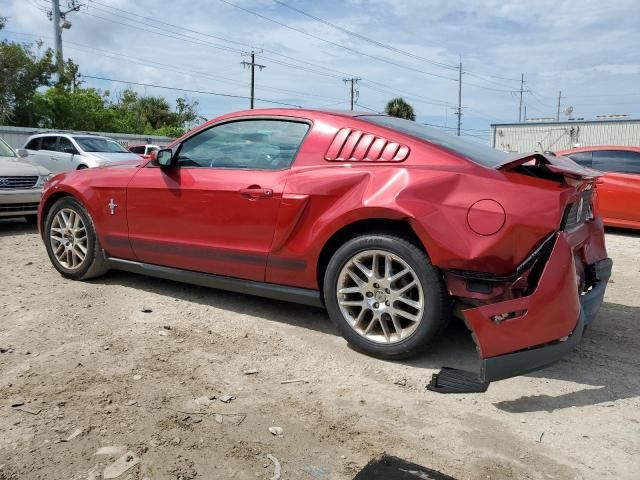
[385, 296]
[71, 241]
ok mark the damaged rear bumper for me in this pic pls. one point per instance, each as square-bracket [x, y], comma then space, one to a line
[525, 361]
[525, 334]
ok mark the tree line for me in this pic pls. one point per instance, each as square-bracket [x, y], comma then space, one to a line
[32, 94]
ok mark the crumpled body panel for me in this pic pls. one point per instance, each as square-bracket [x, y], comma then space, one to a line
[549, 313]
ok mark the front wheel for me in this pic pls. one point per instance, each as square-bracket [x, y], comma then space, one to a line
[385, 296]
[71, 241]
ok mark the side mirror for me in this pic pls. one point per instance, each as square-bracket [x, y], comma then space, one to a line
[22, 152]
[70, 150]
[164, 157]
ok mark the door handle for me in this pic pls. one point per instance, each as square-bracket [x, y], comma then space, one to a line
[255, 191]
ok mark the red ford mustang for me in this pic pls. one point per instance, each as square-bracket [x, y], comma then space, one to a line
[389, 224]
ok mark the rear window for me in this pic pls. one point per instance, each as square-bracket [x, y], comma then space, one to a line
[482, 154]
[581, 158]
[619, 161]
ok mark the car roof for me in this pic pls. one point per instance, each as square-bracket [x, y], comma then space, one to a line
[290, 112]
[593, 148]
[301, 113]
[67, 134]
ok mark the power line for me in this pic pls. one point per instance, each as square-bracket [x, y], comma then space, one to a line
[188, 90]
[338, 73]
[153, 19]
[367, 39]
[409, 95]
[172, 68]
[367, 108]
[184, 38]
[196, 41]
[385, 45]
[353, 50]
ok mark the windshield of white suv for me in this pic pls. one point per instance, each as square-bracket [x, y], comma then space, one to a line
[6, 150]
[98, 144]
[482, 154]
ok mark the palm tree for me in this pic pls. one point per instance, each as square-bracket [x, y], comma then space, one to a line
[397, 107]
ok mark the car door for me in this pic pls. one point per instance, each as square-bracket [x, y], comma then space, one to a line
[619, 189]
[65, 154]
[215, 209]
[45, 156]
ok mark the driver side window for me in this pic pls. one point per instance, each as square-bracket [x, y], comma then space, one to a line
[244, 144]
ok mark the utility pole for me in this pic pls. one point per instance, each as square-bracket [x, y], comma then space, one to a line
[60, 22]
[57, 35]
[559, 98]
[459, 110]
[522, 90]
[252, 65]
[353, 89]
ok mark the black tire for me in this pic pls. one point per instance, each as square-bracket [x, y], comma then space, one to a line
[81, 167]
[94, 263]
[437, 302]
[31, 219]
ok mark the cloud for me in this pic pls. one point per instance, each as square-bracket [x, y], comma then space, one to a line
[586, 48]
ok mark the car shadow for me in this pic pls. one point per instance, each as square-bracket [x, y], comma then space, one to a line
[604, 362]
[263, 308]
[16, 226]
[626, 232]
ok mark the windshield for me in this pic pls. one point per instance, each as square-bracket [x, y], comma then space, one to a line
[99, 144]
[6, 150]
[482, 154]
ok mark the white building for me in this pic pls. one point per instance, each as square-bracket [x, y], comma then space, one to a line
[552, 135]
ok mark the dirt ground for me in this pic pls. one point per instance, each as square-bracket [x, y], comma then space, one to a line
[94, 370]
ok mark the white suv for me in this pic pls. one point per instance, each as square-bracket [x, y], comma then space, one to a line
[61, 152]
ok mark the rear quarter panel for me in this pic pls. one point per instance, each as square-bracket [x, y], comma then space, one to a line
[432, 190]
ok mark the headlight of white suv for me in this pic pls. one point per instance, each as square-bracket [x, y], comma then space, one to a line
[42, 179]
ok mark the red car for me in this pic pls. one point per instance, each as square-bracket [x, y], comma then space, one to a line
[619, 188]
[389, 224]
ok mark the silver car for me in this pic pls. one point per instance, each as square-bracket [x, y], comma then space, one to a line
[20, 185]
[61, 152]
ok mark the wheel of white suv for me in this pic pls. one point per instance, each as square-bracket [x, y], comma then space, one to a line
[385, 297]
[71, 241]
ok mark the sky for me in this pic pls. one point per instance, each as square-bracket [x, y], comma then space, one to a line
[588, 49]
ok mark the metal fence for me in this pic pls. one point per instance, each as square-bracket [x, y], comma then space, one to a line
[541, 136]
[17, 136]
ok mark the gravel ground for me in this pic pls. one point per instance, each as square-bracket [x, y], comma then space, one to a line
[94, 370]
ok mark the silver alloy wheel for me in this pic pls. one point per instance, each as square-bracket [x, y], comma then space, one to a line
[380, 296]
[68, 237]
